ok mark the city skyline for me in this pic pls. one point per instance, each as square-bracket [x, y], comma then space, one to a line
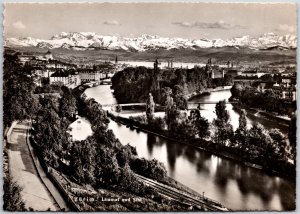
[192, 21]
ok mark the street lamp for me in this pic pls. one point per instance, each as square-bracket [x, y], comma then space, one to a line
[203, 196]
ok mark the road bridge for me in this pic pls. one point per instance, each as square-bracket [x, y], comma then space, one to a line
[210, 102]
[124, 104]
[105, 82]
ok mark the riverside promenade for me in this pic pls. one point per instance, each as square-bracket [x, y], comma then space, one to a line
[38, 192]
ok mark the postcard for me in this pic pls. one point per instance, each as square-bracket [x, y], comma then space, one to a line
[149, 107]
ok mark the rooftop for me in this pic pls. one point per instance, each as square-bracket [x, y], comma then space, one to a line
[64, 73]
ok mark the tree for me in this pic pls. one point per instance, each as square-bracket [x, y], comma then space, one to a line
[267, 77]
[154, 81]
[158, 123]
[222, 128]
[149, 168]
[125, 155]
[279, 145]
[67, 104]
[171, 113]
[240, 136]
[12, 199]
[118, 108]
[179, 97]
[166, 93]
[221, 112]
[292, 136]
[82, 161]
[107, 170]
[236, 90]
[18, 86]
[200, 124]
[243, 121]
[150, 108]
[258, 140]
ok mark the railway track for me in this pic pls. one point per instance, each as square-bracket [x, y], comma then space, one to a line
[200, 202]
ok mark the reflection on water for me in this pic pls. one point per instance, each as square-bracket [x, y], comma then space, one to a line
[236, 186]
[102, 94]
[207, 110]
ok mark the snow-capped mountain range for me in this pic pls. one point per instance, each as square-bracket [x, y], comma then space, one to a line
[89, 40]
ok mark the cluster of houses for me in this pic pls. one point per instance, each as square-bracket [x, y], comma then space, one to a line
[61, 73]
[72, 75]
[285, 87]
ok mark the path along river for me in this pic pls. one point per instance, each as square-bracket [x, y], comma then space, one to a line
[236, 186]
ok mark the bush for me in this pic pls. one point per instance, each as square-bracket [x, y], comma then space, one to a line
[149, 168]
[158, 123]
[12, 200]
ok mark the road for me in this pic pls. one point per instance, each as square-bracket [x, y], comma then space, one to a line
[198, 201]
[22, 169]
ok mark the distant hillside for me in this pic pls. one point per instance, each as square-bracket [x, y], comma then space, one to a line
[219, 55]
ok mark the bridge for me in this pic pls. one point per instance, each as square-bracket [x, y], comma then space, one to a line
[124, 104]
[143, 104]
[105, 82]
[211, 102]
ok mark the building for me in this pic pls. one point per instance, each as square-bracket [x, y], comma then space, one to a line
[59, 77]
[45, 56]
[169, 64]
[253, 73]
[287, 93]
[48, 55]
[286, 81]
[263, 85]
[25, 58]
[58, 64]
[68, 78]
[91, 76]
[74, 79]
[233, 73]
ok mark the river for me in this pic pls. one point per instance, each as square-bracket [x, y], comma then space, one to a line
[236, 186]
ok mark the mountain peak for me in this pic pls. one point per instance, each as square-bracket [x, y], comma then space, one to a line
[90, 40]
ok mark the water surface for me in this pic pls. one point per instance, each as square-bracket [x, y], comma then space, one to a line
[236, 186]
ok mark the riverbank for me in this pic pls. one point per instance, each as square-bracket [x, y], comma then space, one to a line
[207, 203]
[207, 92]
[208, 146]
[256, 112]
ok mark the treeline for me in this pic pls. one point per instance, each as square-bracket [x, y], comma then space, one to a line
[269, 100]
[134, 84]
[270, 149]
[18, 100]
[101, 160]
[176, 123]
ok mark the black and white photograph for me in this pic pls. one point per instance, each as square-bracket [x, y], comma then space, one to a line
[149, 107]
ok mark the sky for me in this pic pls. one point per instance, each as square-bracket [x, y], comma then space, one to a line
[184, 20]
